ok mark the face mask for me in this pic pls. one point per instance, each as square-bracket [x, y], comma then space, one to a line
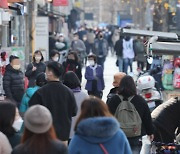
[38, 58]
[91, 62]
[18, 124]
[100, 36]
[56, 59]
[61, 39]
[16, 67]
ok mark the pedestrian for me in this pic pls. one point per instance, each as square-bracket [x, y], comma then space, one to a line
[90, 38]
[127, 89]
[62, 39]
[128, 54]
[86, 43]
[79, 47]
[58, 99]
[40, 81]
[101, 49]
[118, 48]
[37, 66]
[7, 117]
[52, 42]
[39, 136]
[71, 80]
[72, 64]
[5, 147]
[117, 79]
[97, 132]
[166, 120]
[140, 53]
[94, 76]
[13, 80]
[54, 56]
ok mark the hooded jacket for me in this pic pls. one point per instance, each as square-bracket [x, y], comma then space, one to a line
[13, 84]
[92, 132]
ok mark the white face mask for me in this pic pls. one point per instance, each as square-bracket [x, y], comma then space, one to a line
[16, 67]
[56, 59]
[18, 124]
[91, 62]
[38, 58]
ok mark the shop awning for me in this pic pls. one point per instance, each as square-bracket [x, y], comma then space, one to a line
[137, 32]
[165, 48]
[54, 14]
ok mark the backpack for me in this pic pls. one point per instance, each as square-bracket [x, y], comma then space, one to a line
[139, 47]
[128, 117]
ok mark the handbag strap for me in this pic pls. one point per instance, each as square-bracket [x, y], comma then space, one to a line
[103, 149]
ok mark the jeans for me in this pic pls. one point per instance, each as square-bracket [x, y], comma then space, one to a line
[120, 63]
[127, 62]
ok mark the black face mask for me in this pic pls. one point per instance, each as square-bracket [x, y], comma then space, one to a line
[100, 36]
[71, 61]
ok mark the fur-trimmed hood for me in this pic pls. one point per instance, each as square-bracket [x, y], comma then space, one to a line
[98, 129]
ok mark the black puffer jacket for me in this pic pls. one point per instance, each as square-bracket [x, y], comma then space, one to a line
[31, 75]
[13, 84]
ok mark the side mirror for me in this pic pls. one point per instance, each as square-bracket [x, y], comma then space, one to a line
[150, 60]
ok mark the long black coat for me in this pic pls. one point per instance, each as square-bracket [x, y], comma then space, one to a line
[60, 100]
[74, 66]
[13, 84]
[31, 75]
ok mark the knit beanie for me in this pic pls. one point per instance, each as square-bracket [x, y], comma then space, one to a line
[38, 119]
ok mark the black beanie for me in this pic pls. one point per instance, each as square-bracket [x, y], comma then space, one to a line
[41, 79]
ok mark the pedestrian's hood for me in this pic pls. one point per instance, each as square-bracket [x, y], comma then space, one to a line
[97, 129]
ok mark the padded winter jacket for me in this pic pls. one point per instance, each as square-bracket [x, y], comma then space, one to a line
[13, 84]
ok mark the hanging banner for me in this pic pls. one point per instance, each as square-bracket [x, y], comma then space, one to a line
[60, 3]
[4, 4]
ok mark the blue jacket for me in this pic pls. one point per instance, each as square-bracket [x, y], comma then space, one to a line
[99, 130]
[90, 76]
[27, 96]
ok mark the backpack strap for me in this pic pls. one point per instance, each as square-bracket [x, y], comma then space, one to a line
[130, 98]
[103, 148]
[122, 98]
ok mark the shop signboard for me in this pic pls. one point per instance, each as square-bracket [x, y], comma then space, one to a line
[60, 2]
[41, 39]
